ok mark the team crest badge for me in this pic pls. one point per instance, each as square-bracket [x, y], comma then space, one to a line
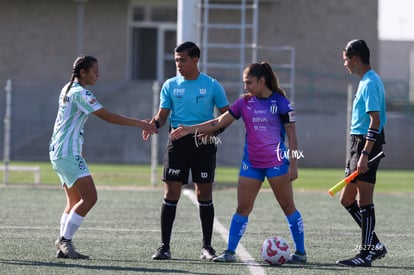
[273, 109]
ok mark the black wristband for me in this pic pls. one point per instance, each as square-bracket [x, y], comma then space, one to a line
[157, 124]
[365, 153]
[221, 130]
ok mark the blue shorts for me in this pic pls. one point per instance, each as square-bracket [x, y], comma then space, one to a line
[70, 169]
[246, 170]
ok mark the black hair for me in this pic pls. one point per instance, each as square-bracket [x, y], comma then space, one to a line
[84, 62]
[192, 49]
[359, 48]
[264, 69]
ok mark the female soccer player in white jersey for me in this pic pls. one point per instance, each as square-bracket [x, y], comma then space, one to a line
[76, 103]
[268, 117]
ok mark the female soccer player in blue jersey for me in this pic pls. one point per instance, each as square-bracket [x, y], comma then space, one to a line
[367, 137]
[268, 117]
[76, 103]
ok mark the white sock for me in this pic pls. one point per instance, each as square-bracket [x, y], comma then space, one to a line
[72, 225]
[63, 220]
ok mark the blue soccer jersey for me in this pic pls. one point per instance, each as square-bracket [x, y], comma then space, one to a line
[192, 101]
[369, 97]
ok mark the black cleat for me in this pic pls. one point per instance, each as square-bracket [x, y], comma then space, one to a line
[358, 260]
[208, 253]
[378, 252]
[162, 253]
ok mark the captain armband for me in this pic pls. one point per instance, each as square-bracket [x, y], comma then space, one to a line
[372, 134]
[288, 117]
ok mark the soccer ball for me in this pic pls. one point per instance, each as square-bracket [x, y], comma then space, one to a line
[275, 251]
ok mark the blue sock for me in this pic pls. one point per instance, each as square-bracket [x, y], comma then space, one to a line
[237, 228]
[296, 229]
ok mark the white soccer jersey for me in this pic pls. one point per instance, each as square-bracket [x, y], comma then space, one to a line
[67, 138]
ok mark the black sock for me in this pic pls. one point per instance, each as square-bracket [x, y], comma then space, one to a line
[368, 226]
[354, 210]
[168, 210]
[206, 209]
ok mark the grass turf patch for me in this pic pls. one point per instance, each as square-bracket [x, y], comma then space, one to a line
[122, 232]
[139, 176]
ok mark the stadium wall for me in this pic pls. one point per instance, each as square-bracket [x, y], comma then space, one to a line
[38, 46]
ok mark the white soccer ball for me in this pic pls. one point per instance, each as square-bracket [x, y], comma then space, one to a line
[275, 251]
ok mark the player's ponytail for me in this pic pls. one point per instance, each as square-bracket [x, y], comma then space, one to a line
[264, 69]
[272, 82]
[82, 62]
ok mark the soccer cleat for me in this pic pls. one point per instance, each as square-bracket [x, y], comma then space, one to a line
[358, 260]
[227, 257]
[67, 248]
[57, 243]
[60, 255]
[297, 258]
[162, 253]
[378, 252]
[208, 253]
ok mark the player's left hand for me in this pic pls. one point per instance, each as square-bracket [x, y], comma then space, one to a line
[362, 165]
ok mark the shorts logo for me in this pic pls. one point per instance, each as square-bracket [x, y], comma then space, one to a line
[81, 163]
[245, 166]
[174, 172]
[204, 175]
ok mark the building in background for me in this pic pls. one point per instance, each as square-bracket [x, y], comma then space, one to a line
[134, 41]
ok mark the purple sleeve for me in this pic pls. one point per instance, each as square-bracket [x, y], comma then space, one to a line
[235, 108]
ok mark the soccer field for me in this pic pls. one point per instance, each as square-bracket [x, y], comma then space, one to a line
[122, 231]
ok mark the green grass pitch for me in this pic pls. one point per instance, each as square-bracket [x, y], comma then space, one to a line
[122, 231]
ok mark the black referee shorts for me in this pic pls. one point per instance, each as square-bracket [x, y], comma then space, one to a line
[356, 146]
[187, 154]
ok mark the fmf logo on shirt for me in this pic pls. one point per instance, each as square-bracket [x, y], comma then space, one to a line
[178, 92]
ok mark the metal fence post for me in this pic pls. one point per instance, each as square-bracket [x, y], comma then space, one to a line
[154, 138]
[7, 130]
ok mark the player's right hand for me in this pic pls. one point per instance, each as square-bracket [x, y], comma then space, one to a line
[180, 132]
[149, 130]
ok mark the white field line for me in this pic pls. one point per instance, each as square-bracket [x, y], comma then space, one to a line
[246, 258]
